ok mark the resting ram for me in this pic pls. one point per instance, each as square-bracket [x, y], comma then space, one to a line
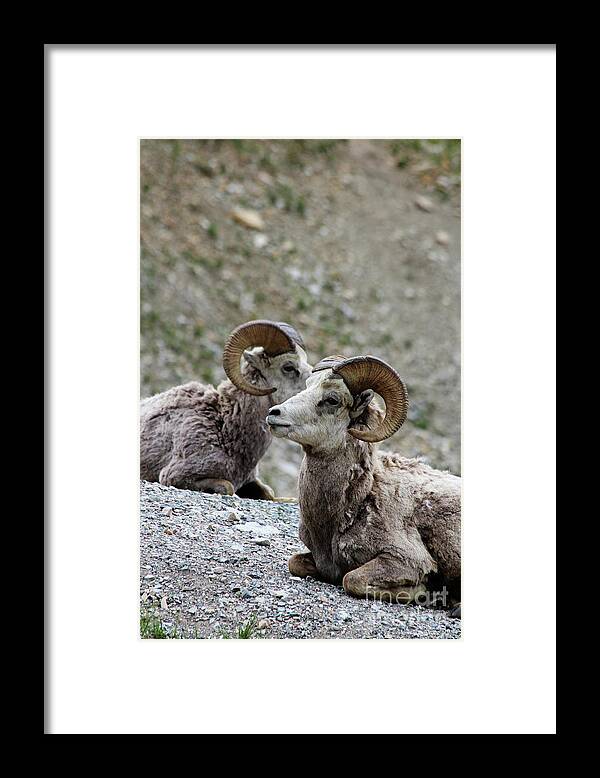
[211, 439]
[382, 525]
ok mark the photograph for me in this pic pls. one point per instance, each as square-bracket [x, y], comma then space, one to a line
[300, 388]
[287, 288]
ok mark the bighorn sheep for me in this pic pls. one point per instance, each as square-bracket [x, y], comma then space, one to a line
[381, 524]
[197, 437]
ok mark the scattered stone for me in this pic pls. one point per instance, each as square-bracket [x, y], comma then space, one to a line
[263, 530]
[262, 541]
[234, 188]
[248, 218]
[265, 178]
[442, 238]
[424, 203]
[260, 241]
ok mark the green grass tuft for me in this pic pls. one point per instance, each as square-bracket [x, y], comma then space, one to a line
[151, 627]
[244, 631]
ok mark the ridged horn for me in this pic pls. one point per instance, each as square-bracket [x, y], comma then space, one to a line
[275, 337]
[360, 373]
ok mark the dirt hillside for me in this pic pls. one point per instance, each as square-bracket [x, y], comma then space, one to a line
[359, 248]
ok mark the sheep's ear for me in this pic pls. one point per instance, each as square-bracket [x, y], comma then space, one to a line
[361, 401]
[253, 356]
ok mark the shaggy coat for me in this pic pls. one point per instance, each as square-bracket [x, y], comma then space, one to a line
[359, 503]
[194, 431]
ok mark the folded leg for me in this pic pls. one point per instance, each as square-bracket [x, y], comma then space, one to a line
[386, 579]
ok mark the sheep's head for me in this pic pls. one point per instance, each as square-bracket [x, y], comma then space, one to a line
[337, 395]
[271, 351]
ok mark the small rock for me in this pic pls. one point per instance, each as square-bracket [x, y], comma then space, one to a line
[344, 616]
[247, 218]
[167, 511]
[260, 241]
[424, 203]
[265, 178]
[262, 541]
[262, 530]
[233, 517]
[442, 238]
[263, 624]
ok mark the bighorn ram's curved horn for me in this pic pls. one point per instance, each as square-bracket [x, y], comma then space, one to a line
[275, 337]
[360, 373]
[329, 363]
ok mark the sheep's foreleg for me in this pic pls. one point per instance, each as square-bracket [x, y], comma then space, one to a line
[256, 490]
[386, 579]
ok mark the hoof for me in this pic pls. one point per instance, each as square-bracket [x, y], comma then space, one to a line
[401, 592]
[256, 490]
[302, 565]
[214, 486]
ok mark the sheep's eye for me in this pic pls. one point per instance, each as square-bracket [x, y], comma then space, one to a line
[288, 368]
[332, 400]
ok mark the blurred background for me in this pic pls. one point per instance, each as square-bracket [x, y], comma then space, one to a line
[354, 242]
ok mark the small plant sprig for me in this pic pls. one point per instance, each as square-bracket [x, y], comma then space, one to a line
[151, 627]
[244, 631]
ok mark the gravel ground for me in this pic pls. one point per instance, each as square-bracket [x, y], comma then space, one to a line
[212, 564]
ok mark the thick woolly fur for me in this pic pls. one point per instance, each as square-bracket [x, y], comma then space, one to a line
[358, 504]
[195, 432]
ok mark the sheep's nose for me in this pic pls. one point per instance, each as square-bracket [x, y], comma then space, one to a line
[274, 411]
